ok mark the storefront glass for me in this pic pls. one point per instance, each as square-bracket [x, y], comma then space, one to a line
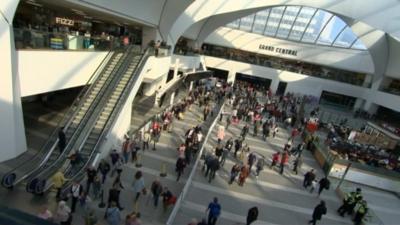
[44, 26]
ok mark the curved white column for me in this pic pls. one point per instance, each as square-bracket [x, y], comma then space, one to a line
[12, 133]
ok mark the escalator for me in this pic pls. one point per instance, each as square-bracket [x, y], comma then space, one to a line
[70, 122]
[84, 114]
[96, 128]
[77, 115]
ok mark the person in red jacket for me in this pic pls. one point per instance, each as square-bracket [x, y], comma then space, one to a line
[284, 161]
[275, 159]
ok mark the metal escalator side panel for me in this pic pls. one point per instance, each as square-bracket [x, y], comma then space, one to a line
[62, 157]
[29, 166]
[78, 175]
[46, 175]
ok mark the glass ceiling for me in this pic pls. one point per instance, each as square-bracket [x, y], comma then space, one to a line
[303, 24]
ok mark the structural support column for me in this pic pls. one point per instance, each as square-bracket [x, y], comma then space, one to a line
[274, 85]
[231, 76]
[12, 132]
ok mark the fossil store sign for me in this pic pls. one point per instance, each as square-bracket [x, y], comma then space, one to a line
[284, 51]
[65, 21]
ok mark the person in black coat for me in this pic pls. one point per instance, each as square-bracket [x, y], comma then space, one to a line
[180, 166]
[252, 215]
[319, 210]
[324, 183]
[61, 140]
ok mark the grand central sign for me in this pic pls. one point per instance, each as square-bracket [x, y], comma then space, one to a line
[278, 50]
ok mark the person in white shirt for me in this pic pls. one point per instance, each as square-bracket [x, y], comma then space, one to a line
[76, 191]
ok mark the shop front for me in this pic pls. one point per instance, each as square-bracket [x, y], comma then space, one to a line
[45, 26]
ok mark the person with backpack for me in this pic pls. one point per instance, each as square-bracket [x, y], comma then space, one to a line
[214, 211]
[324, 183]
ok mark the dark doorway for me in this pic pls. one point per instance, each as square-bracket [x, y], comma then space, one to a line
[337, 101]
[221, 74]
[281, 88]
[258, 82]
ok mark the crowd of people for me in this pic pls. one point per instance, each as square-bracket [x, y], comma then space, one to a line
[256, 113]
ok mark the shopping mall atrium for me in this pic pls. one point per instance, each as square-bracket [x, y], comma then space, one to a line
[199, 112]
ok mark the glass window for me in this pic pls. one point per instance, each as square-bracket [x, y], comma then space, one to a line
[273, 20]
[345, 39]
[287, 21]
[298, 23]
[246, 22]
[259, 21]
[359, 45]
[234, 24]
[316, 25]
[331, 31]
[301, 22]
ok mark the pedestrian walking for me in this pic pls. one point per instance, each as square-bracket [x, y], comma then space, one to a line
[284, 161]
[76, 191]
[251, 159]
[214, 166]
[298, 162]
[113, 196]
[252, 215]
[234, 173]
[276, 157]
[260, 165]
[244, 173]
[324, 183]
[63, 213]
[126, 149]
[146, 140]
[156, 190]
[61, 140]
[113, 215]
[361, 211]
[180, 166]
[58, 180]
[223, 157]
[138, 185]
[319, 210]
[91, 174]
[308, 178]
[103, 168]
[214, 211]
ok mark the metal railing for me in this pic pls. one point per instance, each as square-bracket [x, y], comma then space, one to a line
[77, 132]
[189, 181]
[10, 178]
[110, 121]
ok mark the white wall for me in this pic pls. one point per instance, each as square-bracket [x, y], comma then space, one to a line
[347, 59]
[45, 71]
[186, 62]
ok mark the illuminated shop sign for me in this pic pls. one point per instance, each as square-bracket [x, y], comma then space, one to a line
[64, 21]
[278, 50]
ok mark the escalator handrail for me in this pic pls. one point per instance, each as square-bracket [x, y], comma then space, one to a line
[81, 124]
[116, 110]
[98, 99]
[54, 134]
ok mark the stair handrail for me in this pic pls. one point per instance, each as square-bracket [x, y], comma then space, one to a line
[70, 143]
[54, 134]
[138, 69]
